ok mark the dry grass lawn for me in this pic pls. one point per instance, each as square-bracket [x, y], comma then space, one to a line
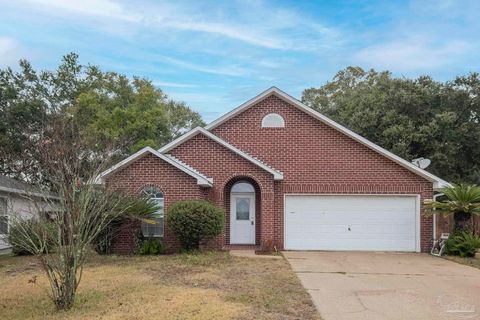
[472, 262]
[210, 285]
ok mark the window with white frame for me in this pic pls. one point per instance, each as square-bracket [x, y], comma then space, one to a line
[154, 229]
[3, 216]
[273, 120]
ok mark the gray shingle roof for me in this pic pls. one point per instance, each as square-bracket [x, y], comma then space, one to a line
[11, 185]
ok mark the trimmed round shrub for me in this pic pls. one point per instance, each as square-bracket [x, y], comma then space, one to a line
[195, 220]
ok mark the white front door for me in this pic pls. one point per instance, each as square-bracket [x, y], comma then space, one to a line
[242, 218]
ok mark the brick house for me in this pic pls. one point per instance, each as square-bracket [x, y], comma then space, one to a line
[286, 176]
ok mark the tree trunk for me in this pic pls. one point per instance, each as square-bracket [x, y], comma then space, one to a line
[462, 221]
[64, 295]
[65, 298]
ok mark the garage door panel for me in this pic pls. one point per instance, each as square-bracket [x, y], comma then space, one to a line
[347, 245]
[357, 222]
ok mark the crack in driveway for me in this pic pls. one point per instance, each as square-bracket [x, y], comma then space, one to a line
[383, 273]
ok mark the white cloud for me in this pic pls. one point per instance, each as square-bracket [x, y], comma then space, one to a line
[173, 84]
[105, 8]
[412, 54]
[223, 70]
[226, 30]
[262, 26]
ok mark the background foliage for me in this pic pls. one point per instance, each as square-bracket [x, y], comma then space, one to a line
[109, 107]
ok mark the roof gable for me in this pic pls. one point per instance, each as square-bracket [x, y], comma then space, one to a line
[277, 175]
[437, 182]
[202, 180]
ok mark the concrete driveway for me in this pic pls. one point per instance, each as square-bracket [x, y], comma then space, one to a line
[369, 285]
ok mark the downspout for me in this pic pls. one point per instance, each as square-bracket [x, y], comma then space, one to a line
[435, 196]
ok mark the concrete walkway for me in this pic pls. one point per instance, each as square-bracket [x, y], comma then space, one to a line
[383, 286]
[252, 254]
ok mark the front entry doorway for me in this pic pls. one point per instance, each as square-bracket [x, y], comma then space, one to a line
[242, 213]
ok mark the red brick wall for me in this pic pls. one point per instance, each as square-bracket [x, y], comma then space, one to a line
[224, 166]
[316, 158]
[150, 170]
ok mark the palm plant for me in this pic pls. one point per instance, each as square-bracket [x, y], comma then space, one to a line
[134, 208]
[463, 201]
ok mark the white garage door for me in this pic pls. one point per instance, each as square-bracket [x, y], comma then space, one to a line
[351, 222]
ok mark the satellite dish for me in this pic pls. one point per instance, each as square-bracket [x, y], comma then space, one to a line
[422, 163]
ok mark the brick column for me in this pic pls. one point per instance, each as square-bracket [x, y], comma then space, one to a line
[268, 217]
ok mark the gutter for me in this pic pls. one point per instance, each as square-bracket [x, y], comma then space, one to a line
[27, 193]
[435, 196]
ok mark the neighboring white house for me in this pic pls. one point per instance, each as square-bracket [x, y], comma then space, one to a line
[19, 199]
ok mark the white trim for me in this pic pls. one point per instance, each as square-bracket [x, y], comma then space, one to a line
[27, 193]
[241, 108]
[172, 144]
[277, 175]
[7, 214]
[418, 234]
[417, 208]
[201, 179]
[437, 182]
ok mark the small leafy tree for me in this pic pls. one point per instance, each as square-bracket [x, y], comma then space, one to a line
[108, 105]
[463, 201]
[194, 221]
[61, 241]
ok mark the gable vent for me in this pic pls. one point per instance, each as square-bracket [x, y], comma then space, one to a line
[273, 120]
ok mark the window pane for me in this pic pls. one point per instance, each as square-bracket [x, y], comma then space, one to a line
[3, 207]
[160, 204]
[153, 230]
[3, 224]
[243, 208]
[242, 187]
[152, 192]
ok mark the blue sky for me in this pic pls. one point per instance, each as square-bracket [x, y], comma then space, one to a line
[215, 55]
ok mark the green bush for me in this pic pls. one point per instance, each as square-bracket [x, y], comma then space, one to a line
[151, 246]
[463, 244]
[103, 242]
[195, 220]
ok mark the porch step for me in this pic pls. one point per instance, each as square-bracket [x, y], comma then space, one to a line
[242, 247]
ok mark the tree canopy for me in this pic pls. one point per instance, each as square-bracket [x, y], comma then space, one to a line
[410, 117]
[110, 108]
